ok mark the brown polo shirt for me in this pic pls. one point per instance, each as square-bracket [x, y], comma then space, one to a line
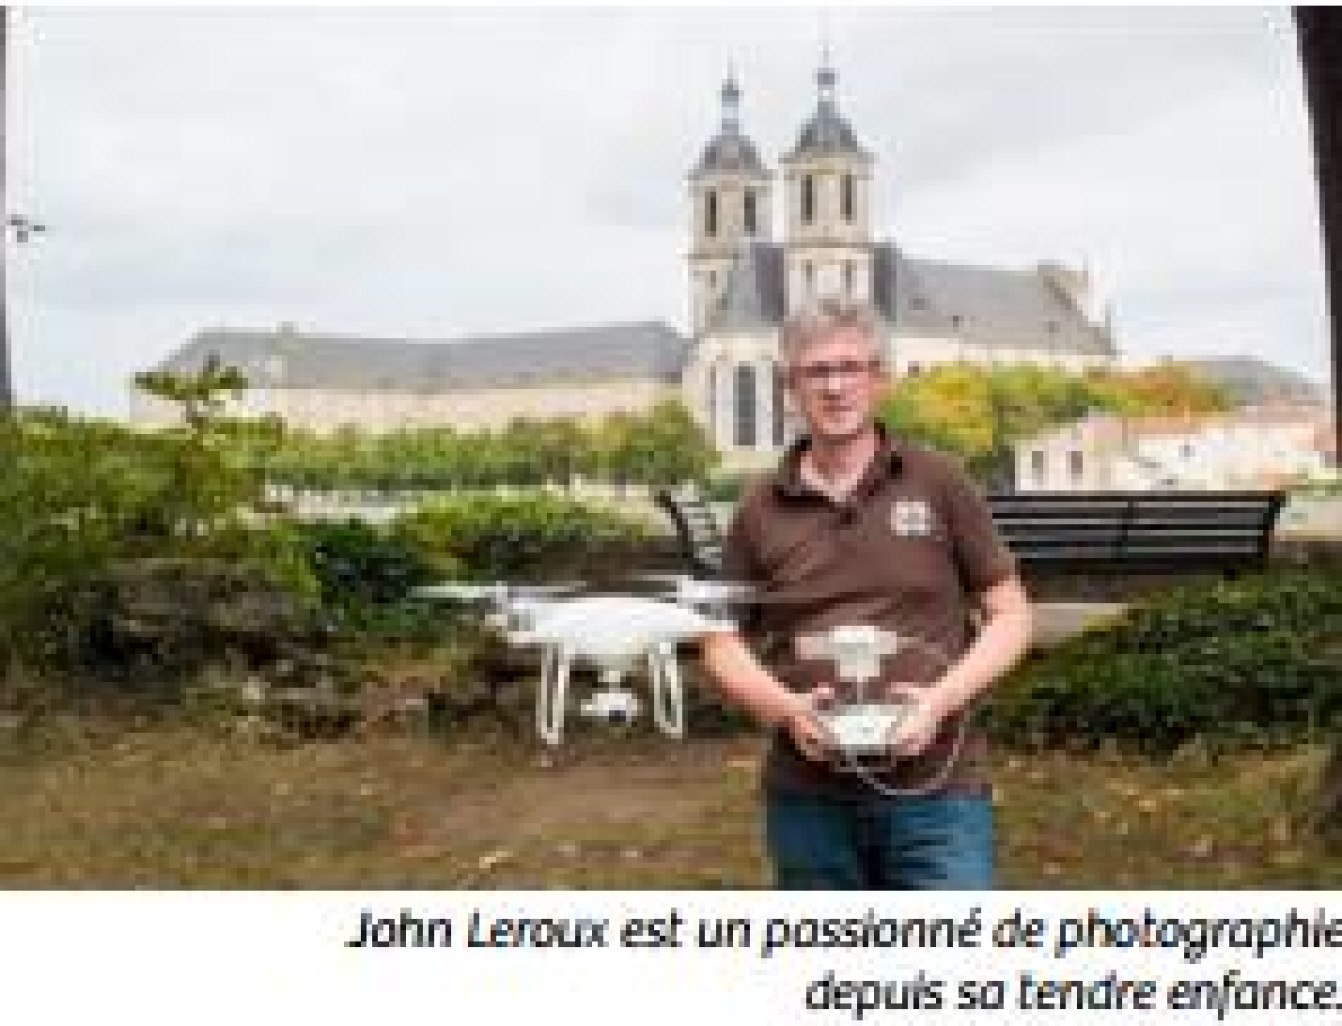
[907, 550]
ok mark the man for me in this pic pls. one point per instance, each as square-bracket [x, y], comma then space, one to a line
[854, 527]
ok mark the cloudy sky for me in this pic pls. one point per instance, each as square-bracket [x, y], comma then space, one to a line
[433, 173]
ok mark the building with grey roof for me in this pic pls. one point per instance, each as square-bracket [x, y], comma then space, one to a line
[743, 283]
[1252, 381]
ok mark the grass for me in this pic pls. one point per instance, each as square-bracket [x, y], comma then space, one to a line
[186, 806]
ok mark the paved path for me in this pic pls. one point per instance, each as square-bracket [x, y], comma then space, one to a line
[1057, 621]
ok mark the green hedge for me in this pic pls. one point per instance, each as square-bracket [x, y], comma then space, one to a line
[513, 537]
[80, 498]
[365, 574]
[1254, 661]
[113, 543]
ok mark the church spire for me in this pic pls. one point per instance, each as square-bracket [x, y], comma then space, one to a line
[729, 205]
[731, 104]
[826, 131]
[730, 151]
[829, 249]
[825, 77]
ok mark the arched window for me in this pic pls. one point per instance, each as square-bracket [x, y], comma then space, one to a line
[711, 213]
[849, 199]
[744, 401]
[779, 408]
[1037, 465]
[749, 214]
[711, 401]
[807, 199]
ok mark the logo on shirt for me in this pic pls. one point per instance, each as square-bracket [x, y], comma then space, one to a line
[911, 518]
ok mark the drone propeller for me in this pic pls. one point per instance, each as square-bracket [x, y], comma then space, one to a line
[698, 591]
[710, 592]
[694, 592]
[689, 584]
[665, 576]
[498, 592]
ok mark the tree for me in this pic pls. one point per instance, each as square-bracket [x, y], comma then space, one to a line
[1320, 38]
[6, 389]
[1168, 387]
[201, 396]
[949, 407]
[981, 413]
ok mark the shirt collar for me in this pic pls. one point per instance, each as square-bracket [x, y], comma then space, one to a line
[789, 482]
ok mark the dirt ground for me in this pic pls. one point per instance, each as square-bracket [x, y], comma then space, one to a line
[185, 806]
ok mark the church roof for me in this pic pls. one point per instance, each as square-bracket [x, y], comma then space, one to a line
[732, 152]
[729, 150]
[753, 295]
[286, 358]
[984, 306]
[994, 306]
[826, 132]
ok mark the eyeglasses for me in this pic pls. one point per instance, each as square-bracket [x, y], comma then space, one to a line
[816, 373]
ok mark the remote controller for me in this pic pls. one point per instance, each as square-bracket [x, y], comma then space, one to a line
[863, 731]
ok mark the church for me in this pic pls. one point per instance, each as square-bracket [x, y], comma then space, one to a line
[744, 279]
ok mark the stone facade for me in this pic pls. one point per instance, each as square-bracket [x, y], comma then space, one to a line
[742, 283]
[380, 410]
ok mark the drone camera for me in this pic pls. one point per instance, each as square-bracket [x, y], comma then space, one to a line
[618, 708]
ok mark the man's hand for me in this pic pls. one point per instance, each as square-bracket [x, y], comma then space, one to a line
[918, 727]
[802, 723]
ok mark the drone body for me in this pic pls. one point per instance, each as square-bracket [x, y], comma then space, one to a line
[615, 633]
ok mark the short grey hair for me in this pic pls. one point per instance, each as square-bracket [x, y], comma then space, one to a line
[823, 318]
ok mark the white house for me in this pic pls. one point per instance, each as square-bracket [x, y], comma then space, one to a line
[1253, 447]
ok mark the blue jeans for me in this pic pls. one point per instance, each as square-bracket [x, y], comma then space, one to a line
[880, 843]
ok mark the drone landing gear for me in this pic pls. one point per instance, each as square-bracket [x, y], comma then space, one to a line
[613, 703]
[668, 697]
[550, 696]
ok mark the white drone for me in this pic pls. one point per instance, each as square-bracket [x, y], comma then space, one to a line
[613, 632]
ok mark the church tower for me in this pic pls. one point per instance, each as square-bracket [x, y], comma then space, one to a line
[827, 178]
[729, 192]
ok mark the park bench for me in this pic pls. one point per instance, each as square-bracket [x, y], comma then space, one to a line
[697, 530]
[1154, 531]
[1157, 531]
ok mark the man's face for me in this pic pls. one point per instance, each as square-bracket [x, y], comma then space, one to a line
[835, 381]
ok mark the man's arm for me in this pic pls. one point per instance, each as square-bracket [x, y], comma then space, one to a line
[743, 680]
[991, 578]
[1003, 638]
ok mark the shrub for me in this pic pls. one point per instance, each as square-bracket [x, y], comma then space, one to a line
[365, 575]
[80, 498]
[1256, 661]
[724, 488]
[513, 537]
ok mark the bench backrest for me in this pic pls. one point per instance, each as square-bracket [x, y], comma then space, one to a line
[1226, 530]
[697, 528]
[1215, 530]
